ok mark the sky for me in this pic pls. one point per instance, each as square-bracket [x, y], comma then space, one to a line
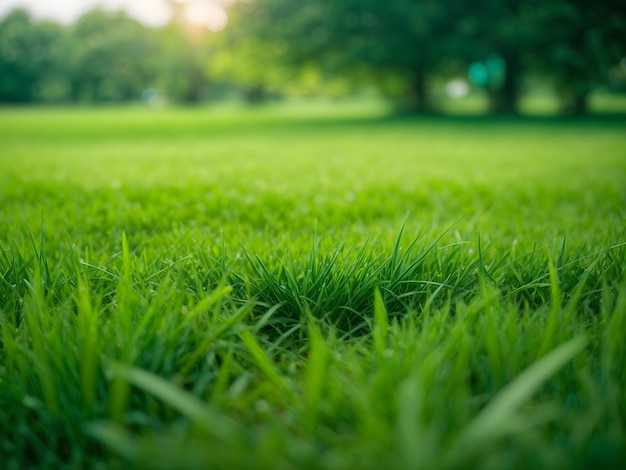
[210, 13]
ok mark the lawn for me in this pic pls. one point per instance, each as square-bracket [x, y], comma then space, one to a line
[311, 287]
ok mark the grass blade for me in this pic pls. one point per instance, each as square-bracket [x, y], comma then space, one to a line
[315, 372]
[263, 361]
[496, 417]
[381, 325]
[204, 415]
[114, 437]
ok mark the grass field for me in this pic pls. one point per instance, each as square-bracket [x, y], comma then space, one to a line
[294, 288]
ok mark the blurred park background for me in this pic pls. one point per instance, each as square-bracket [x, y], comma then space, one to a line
[477, 56]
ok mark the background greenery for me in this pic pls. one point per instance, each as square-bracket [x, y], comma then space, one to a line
[404, 50]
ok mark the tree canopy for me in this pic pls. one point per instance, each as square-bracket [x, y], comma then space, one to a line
[275, 47]
[572, 43]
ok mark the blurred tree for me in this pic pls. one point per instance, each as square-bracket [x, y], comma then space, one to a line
[104, 56]
[35, 60]
[407, 39]
[572, 42]
[406, 42]
[282, 47]
[507, 32]
[114, 59]
[252, 64]
[581, 42]
[182, 58]
[181, 65]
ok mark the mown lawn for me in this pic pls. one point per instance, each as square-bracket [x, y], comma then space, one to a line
[311, 287]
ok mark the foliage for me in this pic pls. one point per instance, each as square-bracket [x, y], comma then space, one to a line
[33, 60]
[384, 39]
[582, 46]
[273, 48]
[110, 57]
[182, 66]
[572, 42]
[103, 57]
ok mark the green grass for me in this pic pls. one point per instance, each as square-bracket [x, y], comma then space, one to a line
[294, 287]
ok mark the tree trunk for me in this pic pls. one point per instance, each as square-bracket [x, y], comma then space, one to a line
[575, 102]
[255, 95]
[505, 99]
[417, 99]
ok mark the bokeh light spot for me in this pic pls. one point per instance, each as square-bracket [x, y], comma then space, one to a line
[203, 13]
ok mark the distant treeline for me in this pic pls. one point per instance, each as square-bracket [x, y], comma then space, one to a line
[103, 57]
[283, 47]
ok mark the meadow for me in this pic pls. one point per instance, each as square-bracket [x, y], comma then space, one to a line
[316, 287]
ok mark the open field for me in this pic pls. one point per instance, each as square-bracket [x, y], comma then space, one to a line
[293, 287]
